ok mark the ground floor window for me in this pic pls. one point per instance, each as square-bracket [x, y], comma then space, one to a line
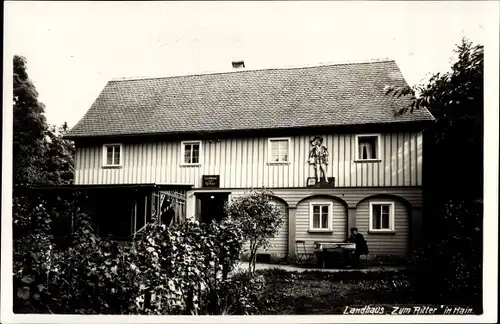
[381, 216]
[320, 216]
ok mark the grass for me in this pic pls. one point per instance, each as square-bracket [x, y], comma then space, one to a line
[316, 293]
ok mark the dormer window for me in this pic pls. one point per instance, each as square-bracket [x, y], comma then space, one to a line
[112, 155]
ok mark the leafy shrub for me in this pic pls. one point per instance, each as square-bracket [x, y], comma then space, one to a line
[258, 218]
[241, 294]
[80, 279]
[451, 264]
[32, 256]
[183, 269]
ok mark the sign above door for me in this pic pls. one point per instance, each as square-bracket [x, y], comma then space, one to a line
[210, 181]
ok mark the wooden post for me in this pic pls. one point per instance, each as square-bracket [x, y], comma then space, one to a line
[135, 216]
[351, 219]
[292, 213]
[145, 209]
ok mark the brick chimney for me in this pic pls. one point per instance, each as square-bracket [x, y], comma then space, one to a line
[238, 64]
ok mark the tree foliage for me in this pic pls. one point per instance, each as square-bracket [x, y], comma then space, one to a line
[451, 259]
[259, 219]
[29, 128]
[455, 141]
[40, 154]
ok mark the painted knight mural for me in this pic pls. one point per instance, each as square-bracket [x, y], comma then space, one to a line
[318, 156]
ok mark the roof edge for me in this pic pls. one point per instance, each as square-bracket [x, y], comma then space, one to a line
[110, 186]
[249, 130]
[285, 67]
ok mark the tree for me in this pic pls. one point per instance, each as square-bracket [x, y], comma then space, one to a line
[29, 128]
[451, 260]
[41, 155]
[59, 168]
[259, 219]
[455, 141]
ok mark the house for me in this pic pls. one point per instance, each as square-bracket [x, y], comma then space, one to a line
[197, 141]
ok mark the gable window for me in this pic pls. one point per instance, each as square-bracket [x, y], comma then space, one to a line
[320, 216]
[279, 150]
[367, 147]
[191, 153]
[382, 216]
[112, 155]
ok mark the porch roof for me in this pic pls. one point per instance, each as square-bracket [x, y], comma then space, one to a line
[91, 187]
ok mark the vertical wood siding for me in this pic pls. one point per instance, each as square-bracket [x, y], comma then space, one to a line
[302, 223]
[243, 163]
[385, 244]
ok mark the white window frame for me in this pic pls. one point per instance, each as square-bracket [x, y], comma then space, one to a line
[105, 156]
[270, 150]
[378, 152]
[183, 150]
[391, 228]
[330, 216]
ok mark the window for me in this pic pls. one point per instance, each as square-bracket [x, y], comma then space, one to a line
[279, 150]
[320, 216]
[191, 153]
[112, 155]
[367, 147]
[381, 216]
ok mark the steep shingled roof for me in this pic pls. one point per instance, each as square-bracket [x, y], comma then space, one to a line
[328, 95]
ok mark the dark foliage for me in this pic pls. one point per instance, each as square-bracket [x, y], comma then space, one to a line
[40, 154]
[185, 269]
[451, 260]
[29, 128]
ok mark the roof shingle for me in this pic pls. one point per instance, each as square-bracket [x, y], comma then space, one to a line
[342, 94]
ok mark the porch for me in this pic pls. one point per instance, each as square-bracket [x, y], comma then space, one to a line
[118, 211]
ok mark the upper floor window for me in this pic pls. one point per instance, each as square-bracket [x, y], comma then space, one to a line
[112, 155]
[279, 150]
[191, 152]
[320, 216]
[367, 147]
[381, 216]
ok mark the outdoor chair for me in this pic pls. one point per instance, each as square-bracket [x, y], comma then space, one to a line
[302, 255]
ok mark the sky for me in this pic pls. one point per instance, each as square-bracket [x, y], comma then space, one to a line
[74, 48]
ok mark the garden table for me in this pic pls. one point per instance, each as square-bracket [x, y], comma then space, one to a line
[323, 248]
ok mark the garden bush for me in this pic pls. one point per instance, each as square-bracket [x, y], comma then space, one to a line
[258, 219]
[184, 269]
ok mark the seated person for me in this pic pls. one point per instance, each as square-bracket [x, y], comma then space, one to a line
[361, 247]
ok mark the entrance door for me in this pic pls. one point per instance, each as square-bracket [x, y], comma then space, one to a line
[211, 206]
